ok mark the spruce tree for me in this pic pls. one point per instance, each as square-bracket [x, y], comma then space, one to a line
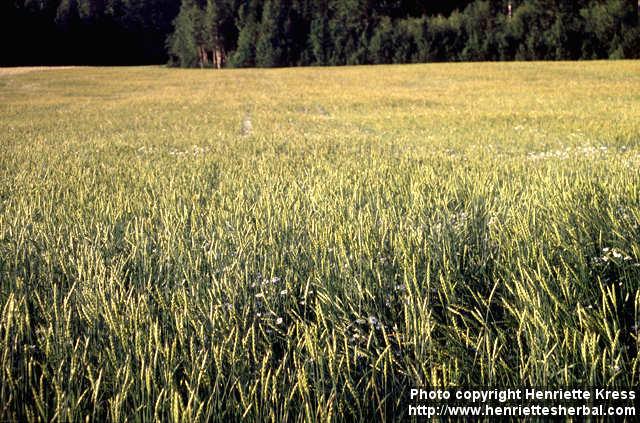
[247, 24]
[381, 46]
[319, 35]
[269, 49]
[480, 28]
[349, 26]
[182, 45]
[406, 33]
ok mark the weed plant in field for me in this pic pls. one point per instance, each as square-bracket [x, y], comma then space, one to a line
[375, 229]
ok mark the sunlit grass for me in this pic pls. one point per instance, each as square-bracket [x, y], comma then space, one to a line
[309, 244]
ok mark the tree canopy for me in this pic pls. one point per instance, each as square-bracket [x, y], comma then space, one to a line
[268, 33]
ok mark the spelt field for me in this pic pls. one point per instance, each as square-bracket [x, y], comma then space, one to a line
[309, 244]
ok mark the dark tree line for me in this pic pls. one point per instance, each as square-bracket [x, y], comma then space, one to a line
[109, 32]
[266, 33]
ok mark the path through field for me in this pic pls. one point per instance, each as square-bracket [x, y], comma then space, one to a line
[20, 70]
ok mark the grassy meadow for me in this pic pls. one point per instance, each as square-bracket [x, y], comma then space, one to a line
[308, 244]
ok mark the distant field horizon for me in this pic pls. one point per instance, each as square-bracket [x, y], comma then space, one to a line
[6, 69]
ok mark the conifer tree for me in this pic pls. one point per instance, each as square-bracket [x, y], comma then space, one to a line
[183, 49]
[269, 48]
[381, 47]
[247, 24]
[212, 36]
[319, 35]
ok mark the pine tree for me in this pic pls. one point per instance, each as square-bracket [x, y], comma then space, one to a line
[610, 29]
[566, 33]
[182, 45]
[480, 27]
[319, 35]
[212, 36]
[247, 24]
[406, 40]
[269, 49]
[349, 27]
[381, 46]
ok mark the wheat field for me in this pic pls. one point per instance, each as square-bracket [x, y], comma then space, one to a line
[309, 244]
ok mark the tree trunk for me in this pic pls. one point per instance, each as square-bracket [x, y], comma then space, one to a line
[218, 57]
[204, 60]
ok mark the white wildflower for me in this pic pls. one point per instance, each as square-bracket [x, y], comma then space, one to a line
[247, 125]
